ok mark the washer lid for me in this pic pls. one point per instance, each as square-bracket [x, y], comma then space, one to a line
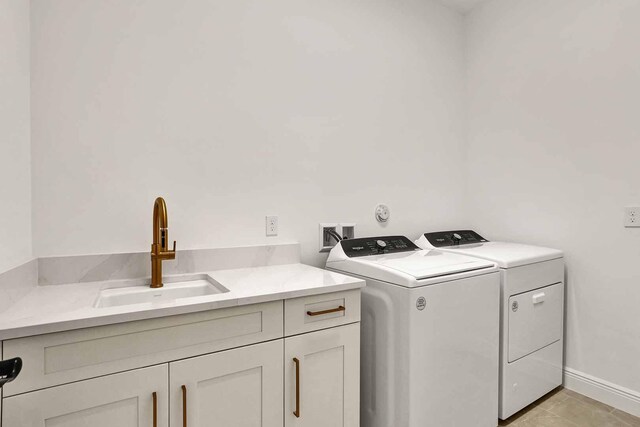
[506, 255]
[427, 264]
[396, 260]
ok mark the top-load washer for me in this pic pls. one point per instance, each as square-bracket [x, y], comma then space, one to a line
[532, 312]
[429, 344]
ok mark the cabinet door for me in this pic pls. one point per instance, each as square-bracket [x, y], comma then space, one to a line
[123, 400]
[322, 378]
[234, 388]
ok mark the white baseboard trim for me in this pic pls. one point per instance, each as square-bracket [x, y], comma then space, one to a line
[603, 391]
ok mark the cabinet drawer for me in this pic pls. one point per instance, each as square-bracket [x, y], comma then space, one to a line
[321, 311]
[65, 357]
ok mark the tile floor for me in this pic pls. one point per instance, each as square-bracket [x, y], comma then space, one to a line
[566, 408]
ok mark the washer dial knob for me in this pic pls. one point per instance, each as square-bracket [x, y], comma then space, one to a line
[381, 245]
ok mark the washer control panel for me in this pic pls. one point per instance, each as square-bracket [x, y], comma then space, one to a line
[441, 239]
[377, 245]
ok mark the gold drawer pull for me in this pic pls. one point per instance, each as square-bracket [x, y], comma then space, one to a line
[331, 310]
[155, 409]
[297, 411]
[184, 406]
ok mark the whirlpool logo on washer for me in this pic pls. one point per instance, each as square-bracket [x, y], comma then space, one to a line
[421, 303]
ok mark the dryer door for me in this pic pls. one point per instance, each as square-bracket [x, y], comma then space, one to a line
[535, 320]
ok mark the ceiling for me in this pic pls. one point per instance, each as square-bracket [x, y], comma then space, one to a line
[462, 6]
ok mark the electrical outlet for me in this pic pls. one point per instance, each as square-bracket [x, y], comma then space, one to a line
[632, 216]
[272, 225]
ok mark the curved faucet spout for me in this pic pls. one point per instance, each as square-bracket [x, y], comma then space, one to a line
[160, 246]
[160, 222]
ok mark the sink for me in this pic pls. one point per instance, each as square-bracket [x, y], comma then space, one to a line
[175, 288]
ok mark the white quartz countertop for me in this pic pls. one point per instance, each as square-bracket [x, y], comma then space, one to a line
[55, 308]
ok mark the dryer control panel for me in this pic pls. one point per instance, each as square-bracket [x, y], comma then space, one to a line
[377, 245]
[442, 239]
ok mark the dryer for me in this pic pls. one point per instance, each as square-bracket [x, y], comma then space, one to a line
[531, 312]
[430, 322]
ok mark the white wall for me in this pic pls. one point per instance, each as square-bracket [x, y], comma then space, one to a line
[15, 167]
[311, 110]
[316, 111]
[554, 149]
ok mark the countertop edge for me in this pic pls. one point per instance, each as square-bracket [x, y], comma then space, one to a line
[91, 322]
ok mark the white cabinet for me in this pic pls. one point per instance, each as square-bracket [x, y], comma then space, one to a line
[65, 357]
[234, 388]
[322, 378]
[123, 400]
[229, 367]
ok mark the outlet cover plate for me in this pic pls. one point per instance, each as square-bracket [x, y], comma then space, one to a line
[271, 225]
[632, 216]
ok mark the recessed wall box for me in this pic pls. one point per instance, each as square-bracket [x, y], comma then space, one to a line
[326, 240]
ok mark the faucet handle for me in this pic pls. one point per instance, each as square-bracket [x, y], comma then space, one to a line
[168, 254]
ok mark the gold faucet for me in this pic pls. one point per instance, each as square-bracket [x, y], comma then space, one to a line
[159, 247]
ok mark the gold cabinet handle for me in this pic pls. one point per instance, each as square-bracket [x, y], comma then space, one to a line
[331, 310]
[155, 409]
[184, 406]
[297, 411]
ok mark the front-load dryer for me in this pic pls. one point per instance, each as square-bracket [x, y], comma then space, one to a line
[429, 344]
[532, 312]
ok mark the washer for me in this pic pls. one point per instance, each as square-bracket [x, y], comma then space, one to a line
[430, 327]
[532, 312]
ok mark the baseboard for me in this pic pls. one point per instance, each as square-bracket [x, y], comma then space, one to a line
[603, 391]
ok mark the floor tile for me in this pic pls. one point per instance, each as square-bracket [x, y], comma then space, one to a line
[552, 399]
[585, 414]
[545, 419]
[566, 408]
[587, 400]
[627, 418]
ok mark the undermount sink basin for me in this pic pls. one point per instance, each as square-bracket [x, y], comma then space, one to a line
[173, 289]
